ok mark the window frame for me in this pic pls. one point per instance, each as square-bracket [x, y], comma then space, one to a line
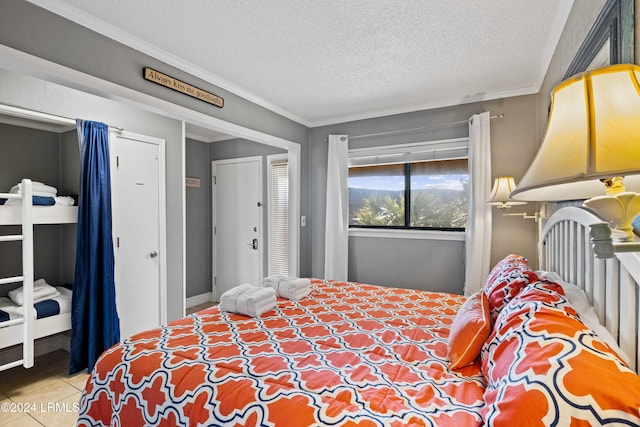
[440, 150]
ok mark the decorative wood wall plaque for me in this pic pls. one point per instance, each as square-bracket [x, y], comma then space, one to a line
[182, 87]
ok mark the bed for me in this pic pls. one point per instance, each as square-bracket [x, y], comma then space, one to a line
[516, 353]
[51, 315]
[21, 329]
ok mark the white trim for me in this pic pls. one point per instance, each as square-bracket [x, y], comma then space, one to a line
[270, 159]
[529, 90]
[94, 24]
[407, 234]
[108, 30]
[294, 211]
[162, 209]
[183, 196]
[198, 299]
[22, 62]
[202, 138]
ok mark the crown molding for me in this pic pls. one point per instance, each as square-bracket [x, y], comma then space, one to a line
[448, 102]
[75, 15]
[94, 24]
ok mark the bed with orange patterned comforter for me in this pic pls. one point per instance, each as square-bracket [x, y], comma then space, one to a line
[361, 355]
[349, 355]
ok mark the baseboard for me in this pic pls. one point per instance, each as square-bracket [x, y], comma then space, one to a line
[198, 299]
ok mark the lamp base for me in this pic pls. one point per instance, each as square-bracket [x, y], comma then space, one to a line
[619, 209]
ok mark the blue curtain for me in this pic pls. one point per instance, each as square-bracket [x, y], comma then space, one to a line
[95, 324]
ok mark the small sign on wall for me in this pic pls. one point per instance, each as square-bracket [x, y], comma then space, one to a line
[182, 87]
[192, 182]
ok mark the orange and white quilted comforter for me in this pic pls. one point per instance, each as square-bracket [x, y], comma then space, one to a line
[348, 355]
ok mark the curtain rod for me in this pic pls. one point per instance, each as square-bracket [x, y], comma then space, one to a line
[499, 116]
[35, 115]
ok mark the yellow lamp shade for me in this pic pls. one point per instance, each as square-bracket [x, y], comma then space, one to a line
[502, 187]
[593, 134]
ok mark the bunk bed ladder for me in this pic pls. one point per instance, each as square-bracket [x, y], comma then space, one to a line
[26, 237]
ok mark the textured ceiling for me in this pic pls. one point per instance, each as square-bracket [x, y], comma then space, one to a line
[329, 61]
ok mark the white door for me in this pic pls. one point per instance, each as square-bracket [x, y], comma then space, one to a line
[237, 222]
[137, 193]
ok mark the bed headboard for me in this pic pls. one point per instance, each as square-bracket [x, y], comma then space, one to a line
[612, 285]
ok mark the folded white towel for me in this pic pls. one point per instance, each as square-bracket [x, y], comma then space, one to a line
[41, 291]
[10, 307]
[64, 299]
[248, 300]
[38, 189]
[292, 288]
[64, 201]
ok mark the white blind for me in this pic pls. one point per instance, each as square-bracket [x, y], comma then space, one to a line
[407, 153]
[279, 222]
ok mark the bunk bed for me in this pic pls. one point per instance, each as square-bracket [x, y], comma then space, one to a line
[356, 354]
[28, 327]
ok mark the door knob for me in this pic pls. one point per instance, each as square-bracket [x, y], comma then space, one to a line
[153, 254]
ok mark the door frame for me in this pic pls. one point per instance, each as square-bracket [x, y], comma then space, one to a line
[162, 208]
[214, 238]
[44, 69]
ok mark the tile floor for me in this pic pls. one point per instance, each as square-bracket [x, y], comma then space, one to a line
[44, 395]
[199, 307]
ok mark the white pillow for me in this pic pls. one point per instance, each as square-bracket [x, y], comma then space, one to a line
[578, 300]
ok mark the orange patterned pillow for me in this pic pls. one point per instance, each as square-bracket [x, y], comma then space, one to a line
[544, 367]
[505, 281]
[469, 331]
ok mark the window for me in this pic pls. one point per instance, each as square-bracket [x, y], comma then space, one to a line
[427, 194]
[278, 215]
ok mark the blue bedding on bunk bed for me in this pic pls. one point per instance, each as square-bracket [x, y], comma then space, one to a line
[37, 201]
[46, 308]
[43, 309]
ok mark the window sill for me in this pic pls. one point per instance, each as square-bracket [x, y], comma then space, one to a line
[408, 234]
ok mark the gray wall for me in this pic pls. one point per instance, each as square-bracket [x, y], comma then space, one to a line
[199, 156]
[28, 153]
[36, 154]
[435, 265]
[406, 262]
[637, 31]
[198, 216]
[69, 184]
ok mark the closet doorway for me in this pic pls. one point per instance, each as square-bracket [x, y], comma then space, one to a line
[237, 223]
[138, 198]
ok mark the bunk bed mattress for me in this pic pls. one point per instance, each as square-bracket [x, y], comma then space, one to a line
[349, 354]
[60, 304]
